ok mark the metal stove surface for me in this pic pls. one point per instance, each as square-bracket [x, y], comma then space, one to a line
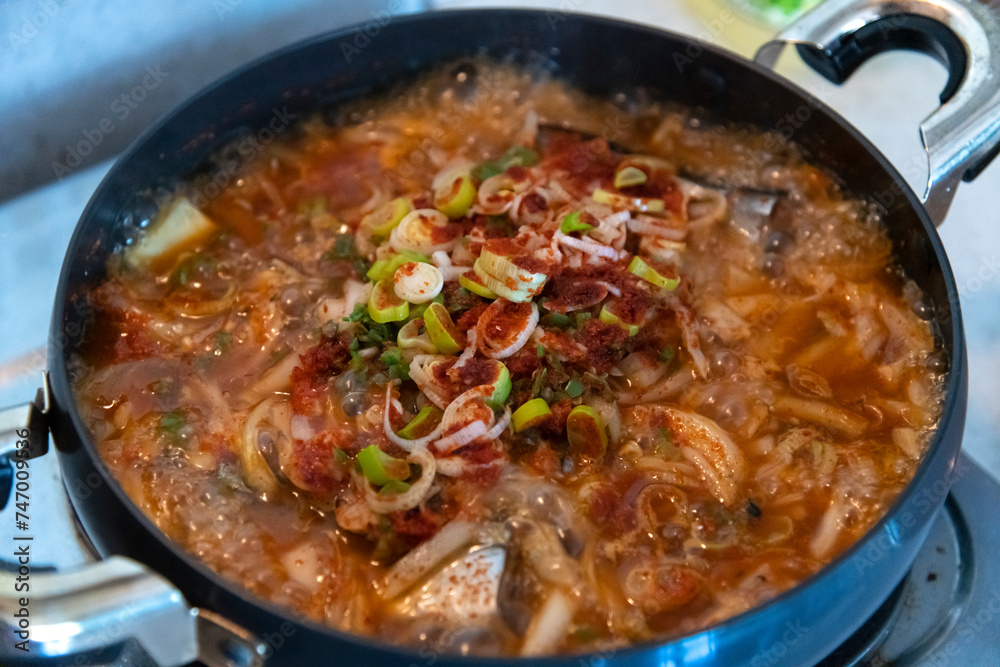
[947, 609]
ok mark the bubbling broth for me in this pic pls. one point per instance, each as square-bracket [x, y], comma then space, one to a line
[492, 367]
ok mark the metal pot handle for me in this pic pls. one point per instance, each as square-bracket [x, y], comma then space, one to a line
[963, 135]
[113, 612]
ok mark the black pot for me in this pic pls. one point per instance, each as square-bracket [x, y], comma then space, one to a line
[603, 57]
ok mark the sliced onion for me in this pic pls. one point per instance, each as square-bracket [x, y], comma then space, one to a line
[198, 308]
[453, 273]
[256, 472]
[468, 353]
[500, 288]
[647, 227]
[711, 202]
[426, 382]
[410, 337]
[417, 492]
[497, 193]
[452, 466]
[451, 413]
[549, 626]
[448, 173]
[616, 219]
[490, 350]
[590, 247]
[611, 288]
[500, 426]
[463, 436]
[408, 445]
[415, 232]
[441, 258]
[412, 567]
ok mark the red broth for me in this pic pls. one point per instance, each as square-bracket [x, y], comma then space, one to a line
[642, 372]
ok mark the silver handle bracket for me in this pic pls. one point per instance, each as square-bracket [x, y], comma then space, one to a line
[962, 136]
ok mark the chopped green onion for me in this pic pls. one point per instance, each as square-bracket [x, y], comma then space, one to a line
[539, 383]
[630, 176]
[442, 331]
[521, 156]
[530, 414]
[343, 247]
[651, 275]
[610, 318]
[394, 487]
[470, 281]
[379, 468]
[425, 421]
[384, 219]
[560, 320]
[455, 197]
[398, 367]
[505, 278]
[666, 354]
[574, 388]
[540, 350]
[171, 423]
[586, 433]
[630, 203]
[385, 269]
[384, 306]
[571, 223]
[417, 282]
[501, 386]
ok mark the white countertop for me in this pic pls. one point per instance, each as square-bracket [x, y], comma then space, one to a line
[886, 100]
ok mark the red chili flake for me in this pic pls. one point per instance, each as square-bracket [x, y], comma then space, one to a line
[476, 372]
[555, 424]
[312, 463]
[446, 233]
[503, 320]
[610, 511]
[587, 164]
[417, 525]
[470, 318]
[605, 344]
[318, 364]
[524, 362]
